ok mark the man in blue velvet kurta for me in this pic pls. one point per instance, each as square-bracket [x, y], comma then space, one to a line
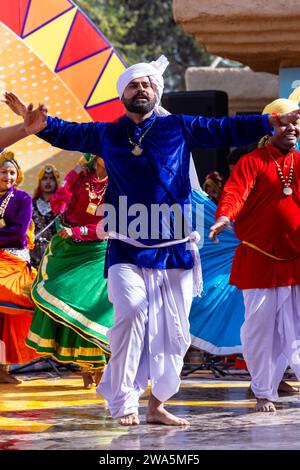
[147, 157]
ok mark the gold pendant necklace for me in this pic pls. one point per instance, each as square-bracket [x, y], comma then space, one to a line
[286, 180]
[92, 206]
[138, 149]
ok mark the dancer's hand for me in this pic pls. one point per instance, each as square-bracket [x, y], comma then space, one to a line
[81, 169]
[221, 223]
[65, 232]
[284, 119]
[14, 103]
[35, 120]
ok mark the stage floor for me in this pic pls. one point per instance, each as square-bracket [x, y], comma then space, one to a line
[56, 413]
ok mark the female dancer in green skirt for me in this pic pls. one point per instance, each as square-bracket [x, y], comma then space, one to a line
[73, 313]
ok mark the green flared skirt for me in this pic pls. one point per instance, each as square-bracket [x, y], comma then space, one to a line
[72, 313]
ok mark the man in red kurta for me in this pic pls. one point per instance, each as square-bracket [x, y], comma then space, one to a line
[262, 197]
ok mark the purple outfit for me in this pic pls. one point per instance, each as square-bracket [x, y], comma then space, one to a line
[17, 218]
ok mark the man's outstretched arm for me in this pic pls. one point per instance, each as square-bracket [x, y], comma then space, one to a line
[10, 135]
[34, 121]
[84, 137]
[234, 131]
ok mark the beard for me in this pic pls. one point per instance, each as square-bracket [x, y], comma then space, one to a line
[139, 108]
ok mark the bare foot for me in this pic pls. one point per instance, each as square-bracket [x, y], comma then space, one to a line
[161, 416]
[98, 376]
[286, 389]
[88, 381]
[265, 406]
[283, 389]
[5, 377]
[156, 414]
[129, 420]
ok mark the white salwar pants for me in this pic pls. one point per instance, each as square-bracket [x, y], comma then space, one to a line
[271, 337]
[150, 335]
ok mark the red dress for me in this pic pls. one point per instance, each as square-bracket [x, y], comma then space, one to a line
[263, 216]
[72, 198]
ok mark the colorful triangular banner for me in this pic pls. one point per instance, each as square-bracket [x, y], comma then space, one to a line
[38, 16]
[107, 112]
[48, 41]
[106, 88]
[12, 14]
[82, 77]
[83, 41]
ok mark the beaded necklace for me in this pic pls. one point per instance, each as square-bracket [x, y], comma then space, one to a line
[285, 180]
[3, 207]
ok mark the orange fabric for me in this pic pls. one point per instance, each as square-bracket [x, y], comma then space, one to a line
[14, 275]
[30, 235]
[15, 319]
[265, 217]
[13, 333]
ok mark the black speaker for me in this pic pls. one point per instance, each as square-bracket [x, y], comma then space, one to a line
[207, 103]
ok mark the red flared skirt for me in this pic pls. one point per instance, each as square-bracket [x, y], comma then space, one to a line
[16, 309]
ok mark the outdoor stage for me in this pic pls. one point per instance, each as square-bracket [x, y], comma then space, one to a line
[57, 414]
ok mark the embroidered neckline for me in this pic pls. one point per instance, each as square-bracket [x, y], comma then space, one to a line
[43, 206]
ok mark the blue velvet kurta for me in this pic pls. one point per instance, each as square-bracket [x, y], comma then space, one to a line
[161, 174]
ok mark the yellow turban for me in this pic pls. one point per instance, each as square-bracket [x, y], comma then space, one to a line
[49, 169]
[46, 170]
[10, 157]
[282, 105]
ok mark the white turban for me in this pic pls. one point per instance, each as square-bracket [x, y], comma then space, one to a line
[154, 70]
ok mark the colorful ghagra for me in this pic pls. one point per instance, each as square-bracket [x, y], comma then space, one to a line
[16, 307]
[73, 313]
[216, 318]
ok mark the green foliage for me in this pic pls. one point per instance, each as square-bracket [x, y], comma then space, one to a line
[141, 30]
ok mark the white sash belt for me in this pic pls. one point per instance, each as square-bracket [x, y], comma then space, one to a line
[192, 239]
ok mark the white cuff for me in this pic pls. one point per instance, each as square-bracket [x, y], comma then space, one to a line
[83, 231]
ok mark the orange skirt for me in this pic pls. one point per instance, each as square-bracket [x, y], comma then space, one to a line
[16, 309]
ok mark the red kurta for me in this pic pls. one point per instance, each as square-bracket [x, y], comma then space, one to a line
[265, 217]
[73, 199]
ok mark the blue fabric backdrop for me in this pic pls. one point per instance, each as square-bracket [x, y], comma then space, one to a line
[217, 316]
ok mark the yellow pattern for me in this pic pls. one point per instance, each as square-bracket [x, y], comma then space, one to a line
[50, 392]
[268, 254]
[51, 343]
[106, 88]
[219, 404]
[58, 319]
[48, 41]
[22, 425]
[77, 316]
[48, 404]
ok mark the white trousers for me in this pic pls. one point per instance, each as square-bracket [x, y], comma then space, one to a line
[271, 336]
[150, 335]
